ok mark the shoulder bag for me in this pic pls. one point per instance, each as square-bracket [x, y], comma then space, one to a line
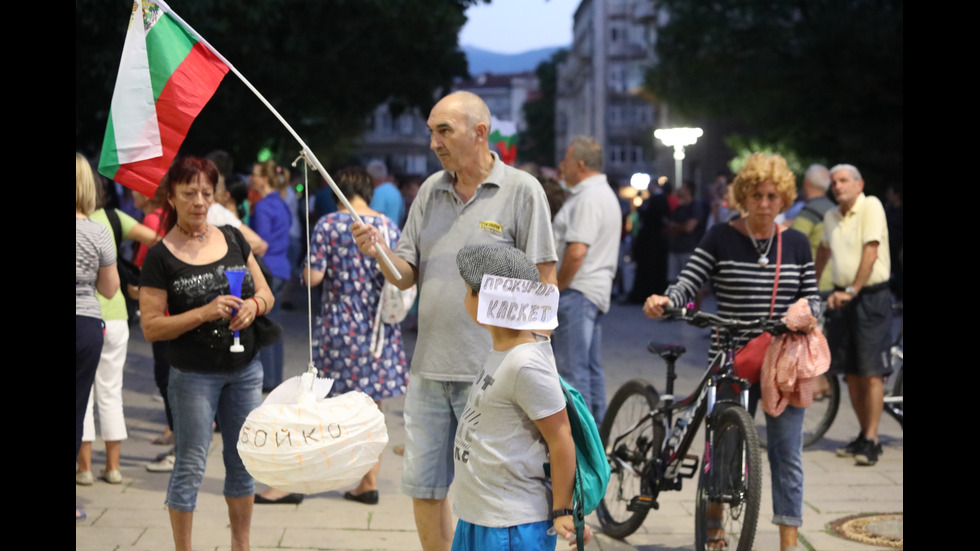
[129, 273]
[393, 305]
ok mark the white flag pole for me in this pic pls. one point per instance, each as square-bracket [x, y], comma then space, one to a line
[306, 150]
[316, 163]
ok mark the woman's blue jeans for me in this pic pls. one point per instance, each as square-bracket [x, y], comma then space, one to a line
[785, 449]
[195, 398]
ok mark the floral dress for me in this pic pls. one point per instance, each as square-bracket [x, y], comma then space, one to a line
[351, 290]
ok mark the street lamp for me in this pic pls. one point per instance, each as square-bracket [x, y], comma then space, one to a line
[678, 138]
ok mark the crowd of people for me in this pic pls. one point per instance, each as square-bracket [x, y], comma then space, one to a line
[476, 217]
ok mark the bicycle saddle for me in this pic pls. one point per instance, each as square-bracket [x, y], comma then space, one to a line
[669, 352]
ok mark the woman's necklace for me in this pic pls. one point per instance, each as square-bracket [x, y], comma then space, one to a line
[200, 236]
[763, 253]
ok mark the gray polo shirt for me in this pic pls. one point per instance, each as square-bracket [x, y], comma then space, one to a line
[592, 215]
[509, 207]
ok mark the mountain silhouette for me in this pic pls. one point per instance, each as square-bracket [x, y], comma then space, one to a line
[484, 61]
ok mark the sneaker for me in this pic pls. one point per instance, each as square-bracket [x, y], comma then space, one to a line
[84, 478]
[112, 476]
[164, 465]
[851, 448]
[868, 453]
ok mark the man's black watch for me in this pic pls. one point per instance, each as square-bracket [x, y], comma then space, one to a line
[561, 512]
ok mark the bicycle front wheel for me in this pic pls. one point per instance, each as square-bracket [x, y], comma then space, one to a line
[630, 447]
[818, 416]
[730, 488]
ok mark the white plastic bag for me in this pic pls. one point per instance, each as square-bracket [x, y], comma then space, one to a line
[308, 445]
[395, 303]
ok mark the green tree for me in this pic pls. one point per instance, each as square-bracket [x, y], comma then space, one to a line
[536, 144]
[323, 65]
[822, 77]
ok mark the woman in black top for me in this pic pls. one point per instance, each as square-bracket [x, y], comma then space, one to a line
[185, 298]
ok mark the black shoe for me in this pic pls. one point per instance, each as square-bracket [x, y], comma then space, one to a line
[369, 497]
[288, 499]
[868, 453]
[852, 447]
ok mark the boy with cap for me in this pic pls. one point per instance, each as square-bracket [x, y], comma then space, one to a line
[515, 419]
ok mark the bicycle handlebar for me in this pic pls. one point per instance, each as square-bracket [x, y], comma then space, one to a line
[703, 319]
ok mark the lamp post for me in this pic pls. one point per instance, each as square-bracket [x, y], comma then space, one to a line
[678, 138]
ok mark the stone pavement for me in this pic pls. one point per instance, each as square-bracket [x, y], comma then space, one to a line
[132, 515]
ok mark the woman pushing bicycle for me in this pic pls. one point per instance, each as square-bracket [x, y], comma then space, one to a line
[758, 270]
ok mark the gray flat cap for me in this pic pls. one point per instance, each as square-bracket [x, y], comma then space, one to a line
[475, 261]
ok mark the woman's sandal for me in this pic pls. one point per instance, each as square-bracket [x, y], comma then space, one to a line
[716, 541]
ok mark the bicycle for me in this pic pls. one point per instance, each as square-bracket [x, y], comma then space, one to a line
[648, 450]
[895, 398]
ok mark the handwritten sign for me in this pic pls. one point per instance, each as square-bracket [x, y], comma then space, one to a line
[517, 303]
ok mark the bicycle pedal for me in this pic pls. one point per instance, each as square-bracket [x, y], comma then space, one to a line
[688, 467]
[642, 503]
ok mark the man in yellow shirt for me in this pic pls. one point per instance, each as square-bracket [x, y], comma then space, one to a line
[856, 236]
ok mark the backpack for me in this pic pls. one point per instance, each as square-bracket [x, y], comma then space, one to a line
[591, 465]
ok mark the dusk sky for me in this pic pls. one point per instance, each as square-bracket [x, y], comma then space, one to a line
[516, 26]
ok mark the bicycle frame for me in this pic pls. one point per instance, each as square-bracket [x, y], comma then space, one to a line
[648, 437]
[705, 394]
[690, 412]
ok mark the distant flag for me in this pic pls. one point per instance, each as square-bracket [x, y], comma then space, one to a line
[503, 134]
[166, 75]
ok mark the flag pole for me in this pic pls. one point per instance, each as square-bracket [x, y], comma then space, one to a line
[316, 164]
[306, 150]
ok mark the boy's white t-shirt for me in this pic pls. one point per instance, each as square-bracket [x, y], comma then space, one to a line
[499, 453]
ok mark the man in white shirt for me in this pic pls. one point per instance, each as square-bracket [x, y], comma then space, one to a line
[587, 229]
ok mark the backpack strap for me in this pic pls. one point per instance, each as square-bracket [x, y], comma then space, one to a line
[578, 506]
[113, 217]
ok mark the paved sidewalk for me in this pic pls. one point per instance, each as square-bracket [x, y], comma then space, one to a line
[132, 515]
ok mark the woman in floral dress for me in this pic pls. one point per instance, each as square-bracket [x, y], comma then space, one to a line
[350, 295]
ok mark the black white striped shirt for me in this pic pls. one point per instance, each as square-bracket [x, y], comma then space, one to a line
[744, 288]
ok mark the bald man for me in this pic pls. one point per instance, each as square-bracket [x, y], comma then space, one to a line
[475, 199]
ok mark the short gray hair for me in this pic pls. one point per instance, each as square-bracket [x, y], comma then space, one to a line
[588, 151]
[818, 176]
[377, 169]
[850, 168]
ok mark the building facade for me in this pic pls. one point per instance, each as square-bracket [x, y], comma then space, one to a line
[600, 85]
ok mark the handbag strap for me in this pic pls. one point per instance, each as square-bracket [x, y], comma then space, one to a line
[779, 261]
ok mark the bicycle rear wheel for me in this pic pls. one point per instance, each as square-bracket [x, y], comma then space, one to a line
[630, 448]
[818, 417]
[895, 399]
[730, 489]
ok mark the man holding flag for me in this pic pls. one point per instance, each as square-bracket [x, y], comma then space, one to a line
[477, 198]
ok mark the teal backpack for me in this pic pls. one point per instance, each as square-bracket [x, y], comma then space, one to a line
[591, 465]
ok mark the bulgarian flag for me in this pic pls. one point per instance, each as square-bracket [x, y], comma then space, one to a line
[166, 75]
[503, 134]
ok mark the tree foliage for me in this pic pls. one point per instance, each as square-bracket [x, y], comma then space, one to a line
[537, 142]
[823, 77]
[323, 65]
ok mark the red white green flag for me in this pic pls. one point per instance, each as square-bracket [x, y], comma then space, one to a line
[503, 134]
[166, 75]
